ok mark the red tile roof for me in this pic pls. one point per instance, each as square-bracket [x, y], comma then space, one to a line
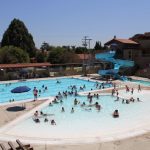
[126, 41]
[24, 65]
[83, 56]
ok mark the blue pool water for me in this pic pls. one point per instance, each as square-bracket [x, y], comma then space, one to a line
[53, 88]
[147, 83]
[84, 123]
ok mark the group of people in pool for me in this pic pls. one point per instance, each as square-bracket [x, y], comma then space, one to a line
[73, 92]
[132, 89]
[103, 85]
[38, 115]
[127, 101]
[88, 106]
[60, 97]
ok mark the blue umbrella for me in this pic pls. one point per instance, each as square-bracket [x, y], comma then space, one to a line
[20, 89]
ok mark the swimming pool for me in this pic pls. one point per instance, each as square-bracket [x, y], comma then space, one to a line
[53, 88]
[146, 83]
[85, 124]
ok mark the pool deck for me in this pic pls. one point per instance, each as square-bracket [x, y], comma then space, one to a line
[134, 141]
[8, 116]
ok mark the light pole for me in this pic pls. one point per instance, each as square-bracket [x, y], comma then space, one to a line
[84, 43]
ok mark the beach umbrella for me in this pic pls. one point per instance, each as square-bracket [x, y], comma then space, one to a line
[20, 89]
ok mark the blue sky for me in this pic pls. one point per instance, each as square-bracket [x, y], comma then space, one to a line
[65, 22]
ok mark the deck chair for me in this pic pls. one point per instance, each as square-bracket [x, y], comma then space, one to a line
[24, 147]
[12, 147]
[3, 147]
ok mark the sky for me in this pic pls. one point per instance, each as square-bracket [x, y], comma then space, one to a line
[66, 22]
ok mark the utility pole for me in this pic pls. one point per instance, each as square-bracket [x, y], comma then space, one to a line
[90, 54]
[85, 42]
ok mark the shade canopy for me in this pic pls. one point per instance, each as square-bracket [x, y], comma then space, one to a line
[20, 89]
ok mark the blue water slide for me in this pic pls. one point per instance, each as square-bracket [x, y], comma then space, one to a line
[124, 63]
[106, 55]
[109, 57]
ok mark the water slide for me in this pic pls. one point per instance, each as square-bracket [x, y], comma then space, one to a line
[109, 57]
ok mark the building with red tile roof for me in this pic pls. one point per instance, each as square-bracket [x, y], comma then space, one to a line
[136, 48]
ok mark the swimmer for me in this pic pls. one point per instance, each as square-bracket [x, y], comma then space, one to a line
[81, 88]
[139, 87]
[50, 104]
[132, 90]
[76, 93]
[97, 96]
[36, 113]
[91, 99]
[41, 113]
[55, 101]
[75, 102]
[45, 120]
[116, 114]
[89, 95]
[139, 100]
[62, 109]
[53, 122]
[98, 107]
[37, 120]
[83, 104]
[72, 110]
[122, 101]
[58, 81]
[127, 101]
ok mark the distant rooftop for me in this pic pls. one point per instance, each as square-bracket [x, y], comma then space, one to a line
[145, 36]
[127, 41]
[124, 41]
[24, 65]
[83, 56]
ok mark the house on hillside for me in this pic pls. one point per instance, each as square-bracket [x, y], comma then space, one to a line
[136, 48]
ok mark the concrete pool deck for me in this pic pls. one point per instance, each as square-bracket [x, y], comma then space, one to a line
[128, 141]
[8, 116]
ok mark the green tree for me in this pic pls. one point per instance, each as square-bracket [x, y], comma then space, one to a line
[55, 56]
[45, 46]
[11, 54]
[40, 57]
[17, 35]
[61, 55]
[80, 50]
[98, 45]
